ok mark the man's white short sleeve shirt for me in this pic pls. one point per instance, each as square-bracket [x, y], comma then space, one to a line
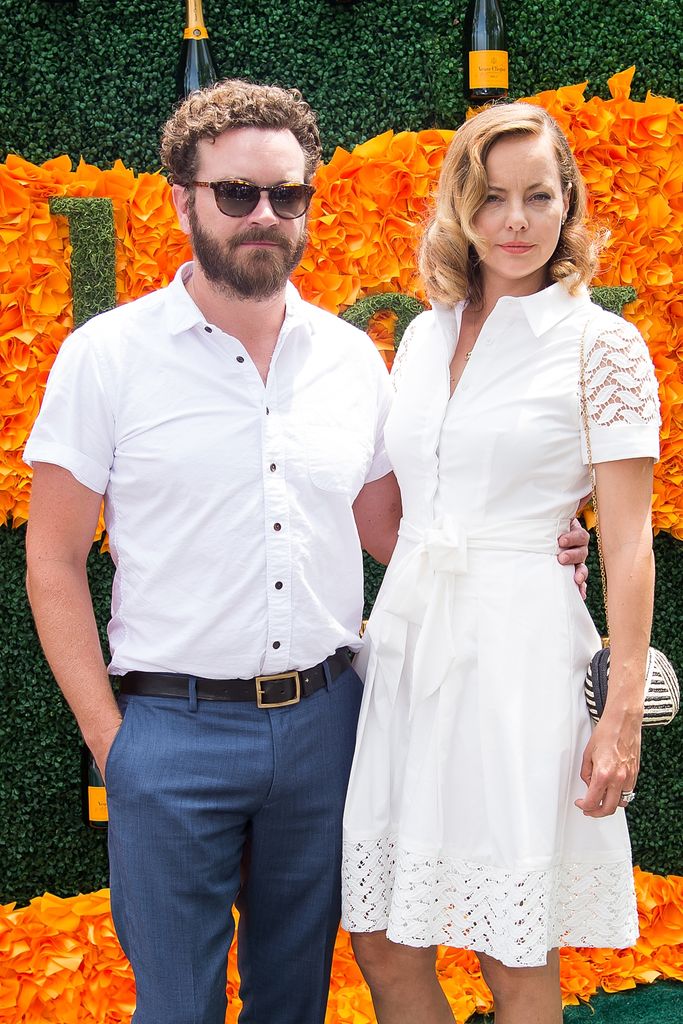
[228, 502]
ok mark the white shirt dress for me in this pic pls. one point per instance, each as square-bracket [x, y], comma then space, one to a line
[460, 826]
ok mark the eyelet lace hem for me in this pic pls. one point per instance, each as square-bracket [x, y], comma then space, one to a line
[515, 917]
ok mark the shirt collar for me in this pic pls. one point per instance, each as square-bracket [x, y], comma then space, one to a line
[182, 314]
[545, 309]
[295, 308]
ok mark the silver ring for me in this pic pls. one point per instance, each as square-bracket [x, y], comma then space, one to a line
[628, 796]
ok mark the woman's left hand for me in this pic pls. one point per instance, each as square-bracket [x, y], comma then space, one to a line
[610, 764]
[612, 756]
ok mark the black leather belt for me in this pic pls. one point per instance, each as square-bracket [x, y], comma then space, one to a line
[275, 691]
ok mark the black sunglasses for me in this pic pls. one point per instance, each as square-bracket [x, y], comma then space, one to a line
[236, 198]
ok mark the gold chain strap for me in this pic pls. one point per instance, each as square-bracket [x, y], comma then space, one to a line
[591, 469]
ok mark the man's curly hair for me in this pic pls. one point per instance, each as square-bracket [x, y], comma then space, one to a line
[232, 103]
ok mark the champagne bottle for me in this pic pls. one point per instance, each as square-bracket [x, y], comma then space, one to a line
[93, 793]
[485, 53]
[196, 68]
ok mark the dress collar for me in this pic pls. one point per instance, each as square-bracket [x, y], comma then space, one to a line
[543, 310]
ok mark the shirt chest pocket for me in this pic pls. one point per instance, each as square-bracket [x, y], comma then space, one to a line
[337, 458]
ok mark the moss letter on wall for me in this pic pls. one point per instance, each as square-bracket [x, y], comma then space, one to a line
[93, 254]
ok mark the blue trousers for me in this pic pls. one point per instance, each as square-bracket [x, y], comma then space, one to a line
[214, 804]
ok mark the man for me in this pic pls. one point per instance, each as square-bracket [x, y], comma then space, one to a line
[236, 435]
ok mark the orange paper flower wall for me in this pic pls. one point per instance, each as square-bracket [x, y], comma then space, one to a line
[60, 963]
[366, 216]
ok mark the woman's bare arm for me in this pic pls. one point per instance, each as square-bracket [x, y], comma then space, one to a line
[612, 757]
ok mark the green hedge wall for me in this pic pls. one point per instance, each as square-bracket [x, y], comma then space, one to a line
[95, 78]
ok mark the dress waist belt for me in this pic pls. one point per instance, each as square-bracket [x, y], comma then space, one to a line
[421, 592]
[446, 533]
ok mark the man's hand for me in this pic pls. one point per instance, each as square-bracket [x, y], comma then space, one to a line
[574, 551]
[100, 747]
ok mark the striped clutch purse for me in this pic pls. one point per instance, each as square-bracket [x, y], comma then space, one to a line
[662, 694]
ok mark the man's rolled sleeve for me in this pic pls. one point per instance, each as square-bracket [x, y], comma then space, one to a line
[75, 426]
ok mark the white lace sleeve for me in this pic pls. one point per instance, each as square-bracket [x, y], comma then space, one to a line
[398, 366]
[621, 394]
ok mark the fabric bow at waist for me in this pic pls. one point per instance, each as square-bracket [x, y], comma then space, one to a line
[421, 592]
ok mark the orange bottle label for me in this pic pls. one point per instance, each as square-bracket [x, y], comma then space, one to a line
[488, 69]
[195, 32]
[97, 803]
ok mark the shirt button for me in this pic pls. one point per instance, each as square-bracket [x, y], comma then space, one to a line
[267, 411]
[276, 644]
[277, 526]
[279, 585]
[207, 329]
[273, 467]
[240, 359]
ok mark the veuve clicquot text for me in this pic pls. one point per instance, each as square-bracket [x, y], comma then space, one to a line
[485, 53]
[196, 68]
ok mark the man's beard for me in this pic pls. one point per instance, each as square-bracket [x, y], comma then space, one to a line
[246, 273]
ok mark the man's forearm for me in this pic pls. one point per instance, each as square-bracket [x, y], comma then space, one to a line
[62, 607]
[377, 511]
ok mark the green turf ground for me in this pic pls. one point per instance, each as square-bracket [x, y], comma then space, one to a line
[660, 1003]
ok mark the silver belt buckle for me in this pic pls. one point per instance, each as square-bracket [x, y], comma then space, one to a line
[279, 703]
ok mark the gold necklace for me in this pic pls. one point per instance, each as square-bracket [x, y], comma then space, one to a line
[452, 375]
[477, 327]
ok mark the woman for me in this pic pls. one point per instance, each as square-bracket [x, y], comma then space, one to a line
[482, 810]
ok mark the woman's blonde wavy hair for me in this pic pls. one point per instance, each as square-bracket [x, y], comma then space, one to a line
[448, 260]
[230, 104]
